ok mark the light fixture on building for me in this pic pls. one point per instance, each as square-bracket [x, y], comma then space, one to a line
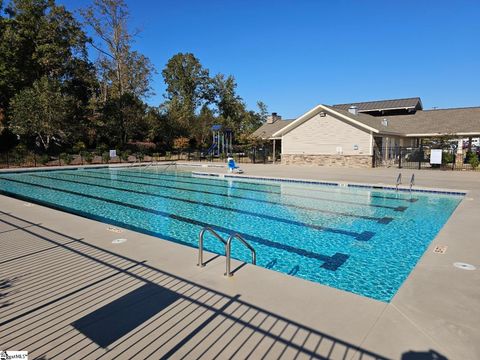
[385, 122]
[322, 114]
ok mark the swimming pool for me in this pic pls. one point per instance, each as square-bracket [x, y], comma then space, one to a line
[361, 240]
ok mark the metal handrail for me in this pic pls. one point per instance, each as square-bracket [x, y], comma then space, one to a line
[228, 252]
[399, 180]
[200, 243]
[412, 181]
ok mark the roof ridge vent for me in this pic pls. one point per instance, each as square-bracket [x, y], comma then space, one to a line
[353, 110]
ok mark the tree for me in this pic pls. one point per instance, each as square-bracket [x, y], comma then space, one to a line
[188, 87]
[41, 39]
[41, 113]
[123, 120]
[121, 69]
[230, 105]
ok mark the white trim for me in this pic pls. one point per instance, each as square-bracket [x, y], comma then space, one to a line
[443, 134]
[311, 113]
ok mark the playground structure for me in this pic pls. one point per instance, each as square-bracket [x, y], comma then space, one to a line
[222, 143]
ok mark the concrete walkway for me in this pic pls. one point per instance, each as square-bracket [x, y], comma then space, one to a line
[67, 291]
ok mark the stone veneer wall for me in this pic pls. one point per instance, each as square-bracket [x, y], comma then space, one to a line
[358, 161]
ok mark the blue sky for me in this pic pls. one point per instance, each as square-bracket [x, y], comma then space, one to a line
[294, 55]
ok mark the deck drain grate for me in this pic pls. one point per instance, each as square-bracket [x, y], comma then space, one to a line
[440, 249]
[119, 241]
[115, 230]
[464, 266]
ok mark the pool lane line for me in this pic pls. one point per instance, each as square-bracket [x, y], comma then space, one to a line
[394, 208]
[156, 176]
[329, 262]
[382, 220]
[363, 236]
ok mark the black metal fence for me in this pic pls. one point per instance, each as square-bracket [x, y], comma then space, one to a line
[16, 159]
[420, 158]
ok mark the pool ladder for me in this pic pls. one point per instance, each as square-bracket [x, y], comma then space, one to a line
[399, 181]
[228, 248]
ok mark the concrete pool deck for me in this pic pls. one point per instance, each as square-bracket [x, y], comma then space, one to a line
[68, 292]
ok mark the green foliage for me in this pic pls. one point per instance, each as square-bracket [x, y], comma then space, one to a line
[41, 112]
[53, 95]
[140, 156]
[88, 157]
[125, 154]
[39, 38]
[448, 157]
[79, 147]
[66, 158]
[43, 159]
[106, 157]
[474, 161]
[124, 120]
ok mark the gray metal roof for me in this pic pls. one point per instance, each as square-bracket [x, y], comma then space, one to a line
[441, 121]
[267, 130]
[408, 103]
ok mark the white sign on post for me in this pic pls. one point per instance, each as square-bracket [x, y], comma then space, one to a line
[113, 153]
[436, 156]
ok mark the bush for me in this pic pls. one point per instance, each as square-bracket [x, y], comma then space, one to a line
[79, 147]
[43, 159]
[101, 149]
[106, 157]
[88, 157]
[66, 158]
[156, 156]
[447, 157]
[140, 156]
[125, 154]
[473, 161]
[181, 143]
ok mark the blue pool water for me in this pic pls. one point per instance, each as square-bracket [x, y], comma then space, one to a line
[360, 240]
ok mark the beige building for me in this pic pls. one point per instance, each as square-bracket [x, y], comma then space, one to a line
[361, 134]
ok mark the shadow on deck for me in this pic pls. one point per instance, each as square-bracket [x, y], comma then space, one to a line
[62, 297]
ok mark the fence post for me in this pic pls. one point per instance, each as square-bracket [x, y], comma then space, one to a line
[420, 157]
[34, 159]
[8, 163]
[400, 158]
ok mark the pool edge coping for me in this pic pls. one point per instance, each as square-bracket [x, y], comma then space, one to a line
[380, 186]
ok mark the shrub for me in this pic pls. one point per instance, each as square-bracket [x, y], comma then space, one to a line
[140, 156]
[88, 157]
[101, 149]
[106, 157]
[473, 161]
[156, 156]
[125, 154]
[447, 157]
[181, 143]
[66, 158]
[79, 147]
[43, 159]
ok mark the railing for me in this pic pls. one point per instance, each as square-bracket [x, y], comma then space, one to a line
[228, 252]
[200, 243]
[157, 163]
[399, 181]
[418, 158]
[228, 248]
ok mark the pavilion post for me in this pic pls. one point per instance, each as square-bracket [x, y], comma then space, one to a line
[274, 154]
